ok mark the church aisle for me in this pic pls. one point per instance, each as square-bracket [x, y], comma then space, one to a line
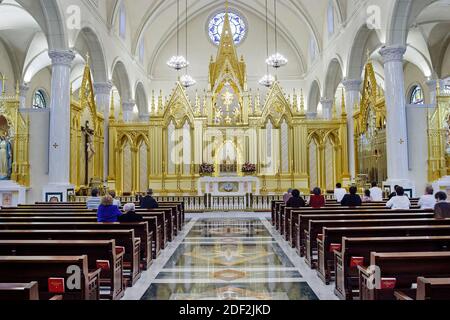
[238, 257]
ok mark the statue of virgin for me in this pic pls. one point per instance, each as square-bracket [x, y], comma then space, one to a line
[5, 158]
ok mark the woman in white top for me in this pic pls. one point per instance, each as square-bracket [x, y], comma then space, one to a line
[376, 193]
[427, 201]
[339, 192]
[400, 201]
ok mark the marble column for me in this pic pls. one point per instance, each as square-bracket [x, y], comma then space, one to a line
[23, 92]
[59, 139]
[432, 85]
[352, 97]
[396, 130]
[327, 105]
[102, 98]
[127, 107]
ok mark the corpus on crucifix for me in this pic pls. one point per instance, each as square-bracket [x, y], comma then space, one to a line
[89, 148]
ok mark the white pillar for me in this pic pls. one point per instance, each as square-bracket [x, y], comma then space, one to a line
[23, 91]
[432, 85]
[327, 105]
[396, 131]
[127, 107]
[59, 154]
[352, 97]
[102, 98]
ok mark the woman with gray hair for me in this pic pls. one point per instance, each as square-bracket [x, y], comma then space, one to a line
[130, 214]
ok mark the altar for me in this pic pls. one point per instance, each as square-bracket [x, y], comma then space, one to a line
[228, 186]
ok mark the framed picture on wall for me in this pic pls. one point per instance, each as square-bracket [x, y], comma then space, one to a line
[54, 197]
[7, 199]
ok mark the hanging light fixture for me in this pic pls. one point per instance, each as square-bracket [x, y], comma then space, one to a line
[277, 60]
[186, 80]
[178, 62]
[267, 80]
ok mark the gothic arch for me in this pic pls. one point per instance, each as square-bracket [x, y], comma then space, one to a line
[121, 80]
[314, 96]
[333, 78]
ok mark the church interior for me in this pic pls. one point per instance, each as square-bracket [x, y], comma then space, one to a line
[218, 125]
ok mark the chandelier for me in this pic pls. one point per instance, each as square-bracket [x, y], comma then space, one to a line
[187, 81]
[277, 60]
[178, 62]
[267, 80]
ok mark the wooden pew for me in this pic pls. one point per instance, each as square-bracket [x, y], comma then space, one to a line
[96, 250]
[325, 262]
[293, 215]
[347, 284]
[405, 267]
[19, 291]
[123, 238]
[431, 289]
[298, 238]
[160, 228]
[140, 231]
[40, 269]
[316, 226]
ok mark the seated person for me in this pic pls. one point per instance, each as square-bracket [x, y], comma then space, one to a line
[400, 201]
[296, 201]
[367, 196]
[376, 193]
[107, 211]
[427, 201]
[94, 200]
[116, 202]
[287, 196]
[339, 192]
[130, 214]
[394, 193]
[148, 202]
[442, 207]
[352, 199]
[317, 200]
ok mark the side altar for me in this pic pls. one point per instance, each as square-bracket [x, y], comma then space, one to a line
[227, 127]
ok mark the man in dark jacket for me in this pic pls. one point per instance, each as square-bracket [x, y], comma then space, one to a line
[352, 199]
[442, 208]
[148, 202]
[296, 201]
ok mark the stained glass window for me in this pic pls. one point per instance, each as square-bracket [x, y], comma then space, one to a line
[39, 101]
[237, 24]
[416, 96]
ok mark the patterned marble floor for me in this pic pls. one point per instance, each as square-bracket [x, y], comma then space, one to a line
[239, 257]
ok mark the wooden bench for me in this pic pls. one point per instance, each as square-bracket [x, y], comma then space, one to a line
[154, 219]
[316, 226]
[298, 239]
[405, 268]
[99, 252]
[325, 261]
[19, 291]
[42, 268]
[428, 289]
[353, 249]
[140, 231]
[293, 215]
[123, 238]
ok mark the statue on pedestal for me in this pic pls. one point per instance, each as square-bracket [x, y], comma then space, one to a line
[5, 158]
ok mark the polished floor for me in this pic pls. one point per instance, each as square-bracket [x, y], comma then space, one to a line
[233, 258]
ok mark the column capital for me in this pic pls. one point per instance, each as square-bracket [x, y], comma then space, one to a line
[392, 53]
[128, 105]
[103, 87]
[352, 84]
[326, 102]
[23, 89]
[61, 57]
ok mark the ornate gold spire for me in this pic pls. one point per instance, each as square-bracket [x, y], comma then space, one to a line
[227, 61]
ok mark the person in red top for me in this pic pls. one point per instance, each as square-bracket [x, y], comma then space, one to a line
[317, 200]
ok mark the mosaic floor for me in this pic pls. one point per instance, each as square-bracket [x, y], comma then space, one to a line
[234, 258]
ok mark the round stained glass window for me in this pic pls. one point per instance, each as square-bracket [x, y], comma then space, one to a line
[237, 23]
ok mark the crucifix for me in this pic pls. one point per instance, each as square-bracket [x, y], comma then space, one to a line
[89, 149]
